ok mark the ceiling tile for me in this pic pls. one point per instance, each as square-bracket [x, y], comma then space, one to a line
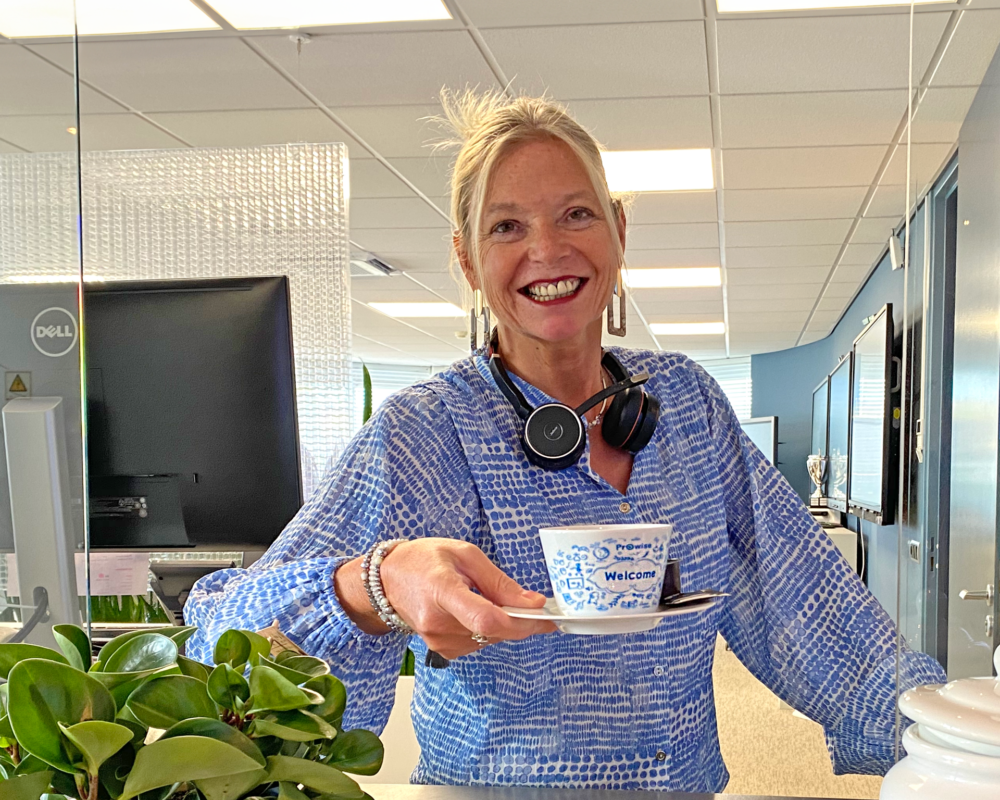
[656, 59]
[801, 167]
[866, 254]
[680, 257]
[746, 277]
[767, 291]
[651, 208]
[677, 299]
[681, 310]
[250, 128]
[971, 49]
[770, 305]
[430, 174]
[369, 178]
[122, 132]
[819, 119]
[511, 13]
[656, 237]
[371, 69]
[802, 256]
[940, 115]
[926, 161]
[770, 234]
[874, 230]
[392, 213]
[39, 134]
[648, 123]
[843, 290]
[192, 74]
[430, 262]
[760, 322]
[9, 148]
[31, 86]
[395, 131]
[851, 273]
[792, 204]
[404, 240]
[821, 53]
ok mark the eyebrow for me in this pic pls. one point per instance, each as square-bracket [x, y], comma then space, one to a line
[495, 208]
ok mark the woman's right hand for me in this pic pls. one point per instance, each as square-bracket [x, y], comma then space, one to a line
[446, 590]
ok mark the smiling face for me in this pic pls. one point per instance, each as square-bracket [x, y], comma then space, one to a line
[548, 259]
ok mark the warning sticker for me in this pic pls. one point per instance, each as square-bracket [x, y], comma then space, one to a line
[16, 384]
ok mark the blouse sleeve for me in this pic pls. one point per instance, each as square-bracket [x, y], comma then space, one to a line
[799, 618]
[403, 476]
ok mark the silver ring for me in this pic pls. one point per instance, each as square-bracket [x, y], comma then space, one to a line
[481, 640]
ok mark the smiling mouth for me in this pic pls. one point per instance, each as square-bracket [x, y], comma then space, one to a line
[547, 291]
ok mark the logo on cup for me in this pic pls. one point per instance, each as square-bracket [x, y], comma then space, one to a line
[554, 432]
[627, 576]
[54, 332]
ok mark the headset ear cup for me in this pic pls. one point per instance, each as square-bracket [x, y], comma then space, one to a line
[620, 420]
[647, 425]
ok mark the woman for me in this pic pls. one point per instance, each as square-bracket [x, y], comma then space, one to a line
[442, 467]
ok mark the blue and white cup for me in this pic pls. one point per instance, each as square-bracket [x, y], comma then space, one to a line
[606, 570]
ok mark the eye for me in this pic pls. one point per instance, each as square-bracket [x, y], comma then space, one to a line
[580, 214]
[507, 226]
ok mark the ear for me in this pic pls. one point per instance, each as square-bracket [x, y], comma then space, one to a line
[465, 262]
[619, 208]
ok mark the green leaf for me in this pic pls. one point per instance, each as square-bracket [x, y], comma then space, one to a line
[358, 751]
[315, 776]
[230, 787]
[335, 697]
[366, 380]
[115, 770]
[163, 702]
[217, 729]
[228, 688]
[289, 791]
[30, 765]
[122, 684]
[75, 645]
[193, 669]
[233, 648]
[178, 635]
[26, 787]
[45, 693]
[184, 758]
[97, 741]
[259, 646]
[147, 651]
[11, 654]
[294, 726]
[270, 691]
[297, 676]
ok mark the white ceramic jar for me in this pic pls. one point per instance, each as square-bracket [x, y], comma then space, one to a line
[953, 750]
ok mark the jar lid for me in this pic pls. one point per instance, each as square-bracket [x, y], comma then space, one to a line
[967, 708]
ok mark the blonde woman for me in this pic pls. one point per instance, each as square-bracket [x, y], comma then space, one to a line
[429, 523]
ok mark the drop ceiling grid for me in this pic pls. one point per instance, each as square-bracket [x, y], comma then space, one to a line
[811, 149]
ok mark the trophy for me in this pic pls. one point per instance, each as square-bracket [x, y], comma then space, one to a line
[816, 465]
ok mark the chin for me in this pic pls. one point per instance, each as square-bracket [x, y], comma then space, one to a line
[560, 330]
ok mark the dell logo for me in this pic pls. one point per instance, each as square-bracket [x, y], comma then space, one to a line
[54, 332]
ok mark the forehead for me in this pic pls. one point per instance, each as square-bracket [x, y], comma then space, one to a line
[535, 172]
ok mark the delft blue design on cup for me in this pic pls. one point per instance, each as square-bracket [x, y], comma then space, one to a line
[614, 574]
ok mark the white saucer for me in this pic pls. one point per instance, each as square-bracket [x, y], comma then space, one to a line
[602, 626]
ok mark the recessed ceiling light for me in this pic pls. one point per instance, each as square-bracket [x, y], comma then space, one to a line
[249, 14]
[419, 309]
[744, 6]
[672, 278]
[658, 170]
[24, 19]
[687, 328]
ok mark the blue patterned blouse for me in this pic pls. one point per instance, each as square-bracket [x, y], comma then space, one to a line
[443, 458]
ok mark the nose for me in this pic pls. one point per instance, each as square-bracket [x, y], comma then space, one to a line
[547, 242]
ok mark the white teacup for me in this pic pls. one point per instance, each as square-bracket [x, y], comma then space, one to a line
[606, 570]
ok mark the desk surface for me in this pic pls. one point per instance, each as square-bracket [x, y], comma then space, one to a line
[404, 792]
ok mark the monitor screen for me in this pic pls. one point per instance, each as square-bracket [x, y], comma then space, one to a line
[870, 418]
[193, 437]
[839, 434]
[820, 418]
[763, 432]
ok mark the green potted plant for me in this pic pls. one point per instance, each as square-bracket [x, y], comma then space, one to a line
[142, 721]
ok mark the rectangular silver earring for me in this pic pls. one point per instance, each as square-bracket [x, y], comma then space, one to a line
[618, 292]
[479, 317]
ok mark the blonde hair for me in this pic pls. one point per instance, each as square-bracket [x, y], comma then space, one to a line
[485, 127]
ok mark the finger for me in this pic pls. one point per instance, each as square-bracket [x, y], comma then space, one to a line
[496, 585]
[479, 615]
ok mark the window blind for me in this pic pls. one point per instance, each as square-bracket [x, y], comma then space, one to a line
[386, 380]
[733, 375]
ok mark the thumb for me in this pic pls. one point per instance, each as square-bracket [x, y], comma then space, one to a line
[496, 586]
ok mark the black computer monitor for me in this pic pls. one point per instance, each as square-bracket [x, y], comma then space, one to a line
[872, 484]
[839, 440]
[192, 429]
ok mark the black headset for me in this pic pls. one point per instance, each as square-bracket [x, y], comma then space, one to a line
[554, 436]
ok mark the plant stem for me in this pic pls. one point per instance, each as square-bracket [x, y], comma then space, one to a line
[15, 753]
[93, 787]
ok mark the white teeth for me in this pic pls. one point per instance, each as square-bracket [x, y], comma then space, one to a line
[553, 291]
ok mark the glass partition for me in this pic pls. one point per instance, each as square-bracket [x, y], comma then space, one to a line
[42, 438]
[265, 207]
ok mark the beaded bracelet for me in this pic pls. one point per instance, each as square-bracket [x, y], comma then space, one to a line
[372, 581]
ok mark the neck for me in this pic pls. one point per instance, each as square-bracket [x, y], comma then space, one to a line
[569, 371]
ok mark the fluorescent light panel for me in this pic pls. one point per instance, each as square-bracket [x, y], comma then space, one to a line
[679, 277]
[687, 328]
[24, 19]
[746, 6]
[254, 14]
[658, 170]
[419, 309]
